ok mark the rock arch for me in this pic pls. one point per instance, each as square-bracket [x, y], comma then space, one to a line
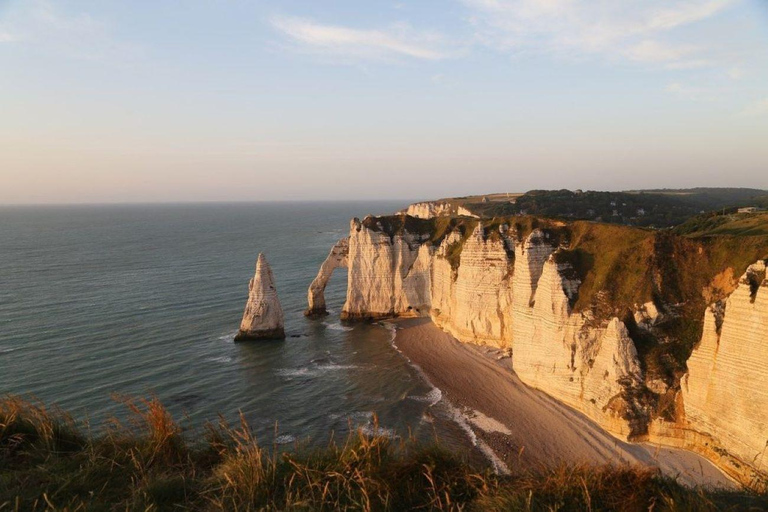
[316, 293]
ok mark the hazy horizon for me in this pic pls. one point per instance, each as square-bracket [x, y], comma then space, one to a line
[122, 102]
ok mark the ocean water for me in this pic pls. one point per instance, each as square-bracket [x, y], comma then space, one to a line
[105, 301]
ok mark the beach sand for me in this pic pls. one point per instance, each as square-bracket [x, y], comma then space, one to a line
[520, 428]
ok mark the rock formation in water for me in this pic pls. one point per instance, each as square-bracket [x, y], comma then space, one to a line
[573, 302]
[337, 258]
[263, 316]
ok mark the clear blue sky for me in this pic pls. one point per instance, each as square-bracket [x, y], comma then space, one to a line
[188, 100]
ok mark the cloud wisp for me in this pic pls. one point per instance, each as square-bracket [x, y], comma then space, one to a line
[397, 41]
[638, 30]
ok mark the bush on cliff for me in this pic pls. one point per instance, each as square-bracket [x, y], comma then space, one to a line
[47, 463]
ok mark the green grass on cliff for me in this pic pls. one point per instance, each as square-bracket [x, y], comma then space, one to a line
[149, 464]
[734, 224]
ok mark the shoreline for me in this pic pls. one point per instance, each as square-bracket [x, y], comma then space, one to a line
[517, 427]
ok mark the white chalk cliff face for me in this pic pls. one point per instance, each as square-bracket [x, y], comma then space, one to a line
[432, 209]
[263, 315]
[725, 393]
[472, 302]
[505, 294]
[494, 287]
[384, 277]
[428, 210]
[593, 368]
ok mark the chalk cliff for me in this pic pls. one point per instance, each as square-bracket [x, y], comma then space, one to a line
[597, 317]
[432, 209]
[263, 315]
[428, 209]
[725, 393]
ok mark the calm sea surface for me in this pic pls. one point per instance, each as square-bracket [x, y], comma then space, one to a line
[140, 300]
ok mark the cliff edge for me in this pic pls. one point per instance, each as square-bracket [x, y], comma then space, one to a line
[604, 318]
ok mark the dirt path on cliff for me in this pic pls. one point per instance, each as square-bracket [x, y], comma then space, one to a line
[524, 427]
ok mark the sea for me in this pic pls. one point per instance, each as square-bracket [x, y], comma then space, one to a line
[103, 303]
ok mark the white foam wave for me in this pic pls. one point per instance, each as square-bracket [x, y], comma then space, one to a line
[285, 439]
[228, 337]
[435, 394]
[221, 359]
[377, 430]
[463, 421]
[293, 372]
[314, 371]
[392, 328]
[487, 424]
[337, 327]
[6, 350]
[432, 398]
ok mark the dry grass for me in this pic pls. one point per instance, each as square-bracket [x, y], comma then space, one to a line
[46, 463]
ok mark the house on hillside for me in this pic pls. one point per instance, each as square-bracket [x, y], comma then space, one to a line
[751, 209]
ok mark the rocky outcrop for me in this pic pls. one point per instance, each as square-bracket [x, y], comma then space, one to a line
[432, 209]
[316, 295]
[724, 392]
[428, 210]
[263, 315]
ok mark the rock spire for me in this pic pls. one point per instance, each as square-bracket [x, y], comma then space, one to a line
[263, 316]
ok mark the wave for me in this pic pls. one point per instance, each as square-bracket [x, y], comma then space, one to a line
[6, 350]
[220, 359]
[314, 370]
[377, 430]
[337, 327]
[285, 439]
[433, 397]
[486, 423]
[463, 421]
[230, 336]
[392, 328]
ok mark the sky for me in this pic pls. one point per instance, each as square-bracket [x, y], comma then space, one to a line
[107, 101]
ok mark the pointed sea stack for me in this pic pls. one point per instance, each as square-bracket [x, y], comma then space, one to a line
[263, 316]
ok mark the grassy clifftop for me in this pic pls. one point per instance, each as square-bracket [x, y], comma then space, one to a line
[48, 463]
[651, 208]
[734, 224]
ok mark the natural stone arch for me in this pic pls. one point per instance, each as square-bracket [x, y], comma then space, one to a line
[316, 293]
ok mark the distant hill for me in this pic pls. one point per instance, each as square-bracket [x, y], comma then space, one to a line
[659, 208]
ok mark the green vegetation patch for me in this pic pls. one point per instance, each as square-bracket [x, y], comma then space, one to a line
[728, 223]
[46, 463]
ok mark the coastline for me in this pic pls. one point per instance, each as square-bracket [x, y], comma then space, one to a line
[518, 428]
